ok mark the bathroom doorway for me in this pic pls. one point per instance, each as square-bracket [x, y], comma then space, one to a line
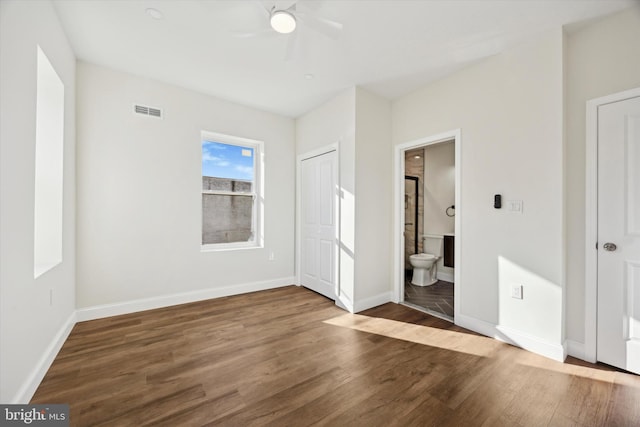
[428, 216]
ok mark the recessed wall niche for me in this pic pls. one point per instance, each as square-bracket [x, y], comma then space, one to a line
[49, 150]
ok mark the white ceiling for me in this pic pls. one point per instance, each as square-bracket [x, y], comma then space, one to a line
[389, 47]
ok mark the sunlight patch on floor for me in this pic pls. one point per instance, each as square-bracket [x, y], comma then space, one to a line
[475, 345]
[426, 335]
[536, 361]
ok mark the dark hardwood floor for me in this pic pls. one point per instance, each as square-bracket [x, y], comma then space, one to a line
[289, 357]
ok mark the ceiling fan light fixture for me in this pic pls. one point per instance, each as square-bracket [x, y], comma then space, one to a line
[283, 22]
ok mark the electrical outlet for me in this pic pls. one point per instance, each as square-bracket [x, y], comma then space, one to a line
[272, 256]
[516, 291]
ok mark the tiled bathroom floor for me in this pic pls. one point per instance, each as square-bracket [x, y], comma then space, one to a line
[437, 298]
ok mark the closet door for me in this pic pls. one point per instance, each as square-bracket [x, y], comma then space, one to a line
[318, 216]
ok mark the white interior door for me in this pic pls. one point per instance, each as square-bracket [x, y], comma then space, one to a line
[618, 319]
[318, 217]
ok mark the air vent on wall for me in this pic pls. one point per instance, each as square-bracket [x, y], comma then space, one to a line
[147, 111]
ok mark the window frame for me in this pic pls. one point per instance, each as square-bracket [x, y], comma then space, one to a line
[257, 213]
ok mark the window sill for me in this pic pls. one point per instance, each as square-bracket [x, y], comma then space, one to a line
[224, 247]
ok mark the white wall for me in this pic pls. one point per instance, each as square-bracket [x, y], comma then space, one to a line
[360, 122]
[373, 200]
[330, 123]
[439, 194]
[35, 314]
[601, 58]
[139, 192]
[509, 110]
[439, 187]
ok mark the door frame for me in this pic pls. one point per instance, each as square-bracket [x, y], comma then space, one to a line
[591, 220]
[416, 214]
[298, 241]
[398, 220]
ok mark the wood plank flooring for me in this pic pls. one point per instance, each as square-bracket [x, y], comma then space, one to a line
[289, 357]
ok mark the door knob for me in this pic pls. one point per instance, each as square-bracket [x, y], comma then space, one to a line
[610, 247]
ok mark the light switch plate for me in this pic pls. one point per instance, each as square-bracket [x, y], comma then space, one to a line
[514, 206]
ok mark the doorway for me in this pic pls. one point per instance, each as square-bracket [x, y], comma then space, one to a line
[423, 220]
[612, 333]
[318, 223]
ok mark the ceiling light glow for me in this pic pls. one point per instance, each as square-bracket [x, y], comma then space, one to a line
[283, 21]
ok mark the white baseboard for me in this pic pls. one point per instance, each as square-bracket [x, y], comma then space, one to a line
[26, 392]
[344, 303]
[479, 326]
[373, 301]
[575, 349]
[511, 336]
[534, 344]
[447, 277]
[108, 310]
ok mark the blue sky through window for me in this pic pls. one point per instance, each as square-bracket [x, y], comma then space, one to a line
[227, 161]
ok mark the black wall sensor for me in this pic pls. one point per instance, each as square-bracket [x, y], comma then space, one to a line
[497, 201]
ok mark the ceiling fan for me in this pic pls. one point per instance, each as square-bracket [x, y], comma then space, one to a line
[284, 17]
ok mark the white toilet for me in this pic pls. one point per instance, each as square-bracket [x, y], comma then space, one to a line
[425, 265]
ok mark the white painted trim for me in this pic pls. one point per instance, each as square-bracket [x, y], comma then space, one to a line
[398, 224]
[257, 217]
[344, 303]
[447, 277]
[514, 337]
[338, 204]
[575, 349]
[481, 327]
[457, 250]
[398, 219]
[116, 309]
[318, 151]
[373, 301]
[534, 344]
[29, 387]
[591, 233]
[591, 219]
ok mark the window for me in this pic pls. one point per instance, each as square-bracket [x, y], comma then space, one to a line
[231, 192]
[47, 224]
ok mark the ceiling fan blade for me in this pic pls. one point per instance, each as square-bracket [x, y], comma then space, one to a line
[284, 4]
[264, 10]
[267, 32]
[312, 5]
[328, 27]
